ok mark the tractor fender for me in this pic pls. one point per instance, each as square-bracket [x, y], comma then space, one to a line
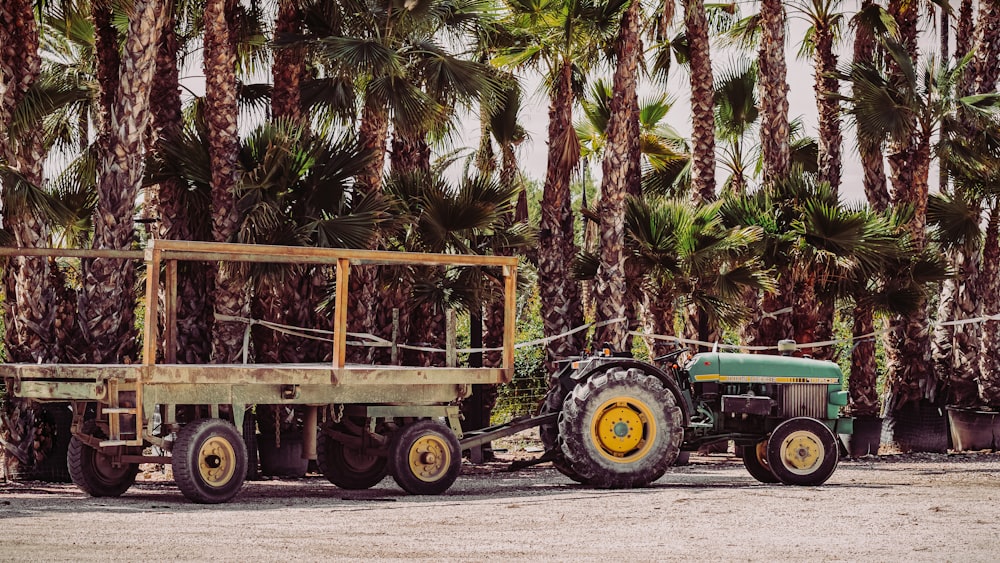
[577, 377]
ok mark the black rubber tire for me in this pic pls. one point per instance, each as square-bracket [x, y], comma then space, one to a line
[250, 440]
[802, 451]
[349, 468]
[549, 433]
[755, 460]
[419, 476]
[92, 471]
[209, 461]
[621, 429]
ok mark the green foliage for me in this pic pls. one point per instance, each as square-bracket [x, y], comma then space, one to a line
[522, 395]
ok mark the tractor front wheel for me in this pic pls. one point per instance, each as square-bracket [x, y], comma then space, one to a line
[802, 451]
[621, 429]
[755, 460]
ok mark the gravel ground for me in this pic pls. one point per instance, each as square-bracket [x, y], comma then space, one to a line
[917, 507]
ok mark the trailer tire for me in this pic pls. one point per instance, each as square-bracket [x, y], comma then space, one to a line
[93, 471]
[802, 451]
[425, 458]
[349, 468]
[621, 429]
[210, 461]
[755, 461]
[549, 434]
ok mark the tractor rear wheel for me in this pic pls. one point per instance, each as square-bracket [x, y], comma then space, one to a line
[802, 451]
[94, 472]
[549, 433]
[621, 429]
[755, 460]
[210, 461]
[425, 458]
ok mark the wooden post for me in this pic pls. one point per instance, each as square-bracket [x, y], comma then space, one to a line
[152, 301]
[394, 351]
[170, 313]
[509, 318]
[451, 356]
[340, 314]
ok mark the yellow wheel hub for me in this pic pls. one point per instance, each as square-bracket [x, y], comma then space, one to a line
[429, 458]
[623, 429]
[802, 452]
[217, 461]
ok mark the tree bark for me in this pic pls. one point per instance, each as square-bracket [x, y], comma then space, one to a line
[620, 170]
[107, 302]
[989, 358]
[230, 292]
[176, 221]
[862, 385]
[774, 127]
[559, 291]
[702, 103]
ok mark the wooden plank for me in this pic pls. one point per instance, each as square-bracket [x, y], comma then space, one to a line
[170, 313]
[71, 252]
[510, 317]
[212, 251]
[340, 314]
[152, 302]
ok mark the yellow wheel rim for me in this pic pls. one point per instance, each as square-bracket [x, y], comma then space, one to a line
[216, 461]
[623, 429]
[802, 452]
[429, 458]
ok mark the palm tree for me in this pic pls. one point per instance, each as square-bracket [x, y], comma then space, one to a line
[825, 23]
[871, 22]
[106, 304]
[562, 38]
[702, 102]
[736, 115]
[621, 176]
[221, 111]
[906, 109]
[774, 127]
[694, 266]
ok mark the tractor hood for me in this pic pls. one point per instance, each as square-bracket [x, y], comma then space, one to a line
[761, 368]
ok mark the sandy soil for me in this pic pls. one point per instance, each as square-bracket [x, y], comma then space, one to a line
[890, 508]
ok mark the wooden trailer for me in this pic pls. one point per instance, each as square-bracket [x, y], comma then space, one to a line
[361, 422]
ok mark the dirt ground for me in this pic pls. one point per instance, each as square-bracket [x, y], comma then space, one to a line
[918, 507]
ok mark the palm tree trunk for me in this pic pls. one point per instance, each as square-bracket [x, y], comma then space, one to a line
[862, 385]
[194, 314]
[410, 152]
[988, 50]
[955, 349]
[560, 293]
[289, 66]
[620, 170]
[658, 318]
[107, 302]
[774, 128]
[229, 291]
[830, 138]
[702, 103]
[373, 130]
[872, 164]
[989, 358]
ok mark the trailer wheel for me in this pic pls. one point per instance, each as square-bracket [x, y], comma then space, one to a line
[425, 458]
[549, 434]
[621, 429]
[210, 461]
[92, 471]
[755, 460]
[802, 451]
[347, 467]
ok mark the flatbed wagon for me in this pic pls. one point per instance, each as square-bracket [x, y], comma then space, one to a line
[361, 422]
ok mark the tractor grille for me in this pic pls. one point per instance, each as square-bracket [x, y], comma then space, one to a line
[803, 400]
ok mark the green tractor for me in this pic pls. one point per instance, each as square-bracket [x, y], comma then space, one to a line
[622, 422]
